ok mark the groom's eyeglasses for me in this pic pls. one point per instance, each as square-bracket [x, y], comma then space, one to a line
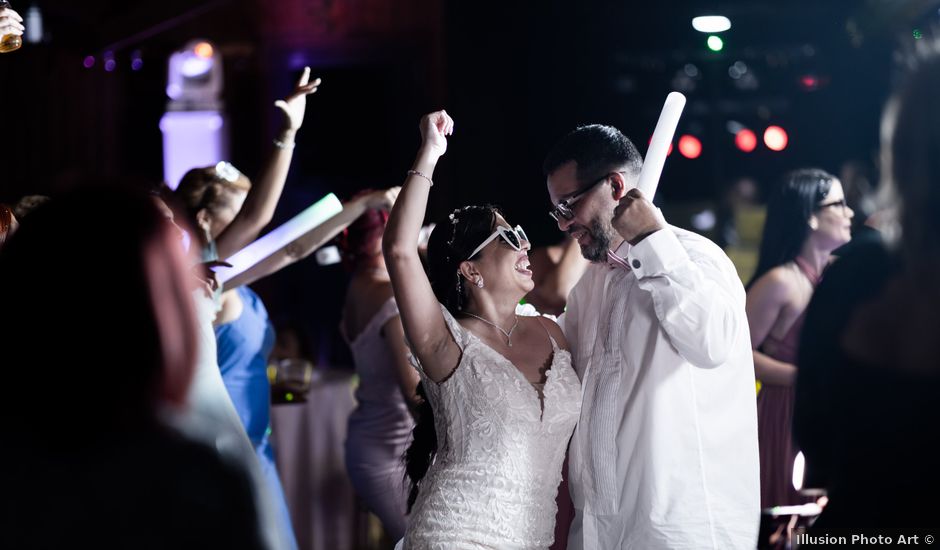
[563, 211]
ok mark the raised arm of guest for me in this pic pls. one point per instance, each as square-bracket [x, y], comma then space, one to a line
[261, 200]
[302, 246]
[421, 315]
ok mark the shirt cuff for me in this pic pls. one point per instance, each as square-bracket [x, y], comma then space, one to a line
[657, 254]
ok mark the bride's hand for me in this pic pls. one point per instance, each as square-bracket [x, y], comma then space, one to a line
[435, 127]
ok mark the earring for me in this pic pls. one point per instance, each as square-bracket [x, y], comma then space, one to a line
[480, 282]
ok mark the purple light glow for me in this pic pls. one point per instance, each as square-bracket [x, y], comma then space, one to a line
[89, 61]
[191, 138]
[109, 65]
[137, 63]
[297, 60]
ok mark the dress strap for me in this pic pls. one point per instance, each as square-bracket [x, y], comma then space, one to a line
[808, 271]
[388, 310]
[547, 333]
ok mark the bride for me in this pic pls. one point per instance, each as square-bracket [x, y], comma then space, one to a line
[500, 396]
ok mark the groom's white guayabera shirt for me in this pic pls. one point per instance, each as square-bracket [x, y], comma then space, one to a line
[665, 452]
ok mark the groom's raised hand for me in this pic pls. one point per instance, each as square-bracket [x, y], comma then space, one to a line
[635, 218]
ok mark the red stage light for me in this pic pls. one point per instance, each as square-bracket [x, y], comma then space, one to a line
[746, 140]
[809, 82]
[775, 138]
[690, 146]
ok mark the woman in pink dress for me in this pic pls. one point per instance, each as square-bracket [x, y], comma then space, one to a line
[380, 427]
[807, 218]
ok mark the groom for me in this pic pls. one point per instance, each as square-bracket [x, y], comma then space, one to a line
[665, 453]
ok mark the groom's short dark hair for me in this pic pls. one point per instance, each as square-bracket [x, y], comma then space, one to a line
[596, 149]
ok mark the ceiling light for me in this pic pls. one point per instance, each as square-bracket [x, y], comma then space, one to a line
[711, 23]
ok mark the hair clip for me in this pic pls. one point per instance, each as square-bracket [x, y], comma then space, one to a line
[454, 220]
[227, 172]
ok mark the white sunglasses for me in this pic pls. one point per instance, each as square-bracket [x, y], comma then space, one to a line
[514, 237]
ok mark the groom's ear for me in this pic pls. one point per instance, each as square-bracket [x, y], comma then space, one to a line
[618, 186]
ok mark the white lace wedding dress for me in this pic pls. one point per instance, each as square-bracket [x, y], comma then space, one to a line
[494, 480]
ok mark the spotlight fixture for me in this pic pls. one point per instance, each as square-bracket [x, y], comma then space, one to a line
[711, 23]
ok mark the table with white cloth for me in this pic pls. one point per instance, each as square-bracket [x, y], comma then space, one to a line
[309, 440]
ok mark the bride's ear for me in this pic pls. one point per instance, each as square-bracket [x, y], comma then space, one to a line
[468, 271]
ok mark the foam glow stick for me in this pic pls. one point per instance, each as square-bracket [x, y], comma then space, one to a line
[277, 239]
[659, 145]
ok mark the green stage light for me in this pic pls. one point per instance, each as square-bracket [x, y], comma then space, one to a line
[715, 43]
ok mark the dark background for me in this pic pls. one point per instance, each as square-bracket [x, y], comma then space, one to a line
[514, 75]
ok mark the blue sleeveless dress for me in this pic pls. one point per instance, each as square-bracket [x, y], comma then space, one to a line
[243, 349]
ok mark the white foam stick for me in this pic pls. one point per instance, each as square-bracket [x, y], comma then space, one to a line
[659, 144]
[277, 239]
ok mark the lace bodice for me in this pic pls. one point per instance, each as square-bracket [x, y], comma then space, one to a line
[498, 466]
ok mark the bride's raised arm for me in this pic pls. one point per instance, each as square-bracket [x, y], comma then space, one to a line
[421, 316]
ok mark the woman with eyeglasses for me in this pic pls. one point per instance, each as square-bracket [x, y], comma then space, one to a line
[807, 218]
[501, 398]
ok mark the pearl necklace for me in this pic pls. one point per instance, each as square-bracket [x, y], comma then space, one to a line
[499, 328]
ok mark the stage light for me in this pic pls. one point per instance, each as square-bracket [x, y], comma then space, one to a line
[89, 61]
[194, 128]
[195, 66]
[194, 78]
[137, 62]
[745, 140]
[715, 43]
[690, 146]
[711, 23]
[917, 34]
[809, 82]
[203, 50]
[775, 138]
[109, 63]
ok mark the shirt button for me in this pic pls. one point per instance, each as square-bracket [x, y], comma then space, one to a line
[636, 264]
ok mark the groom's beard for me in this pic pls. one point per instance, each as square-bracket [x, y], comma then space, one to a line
[596, 250]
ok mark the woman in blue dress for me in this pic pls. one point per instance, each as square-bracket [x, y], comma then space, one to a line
[229, 213]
